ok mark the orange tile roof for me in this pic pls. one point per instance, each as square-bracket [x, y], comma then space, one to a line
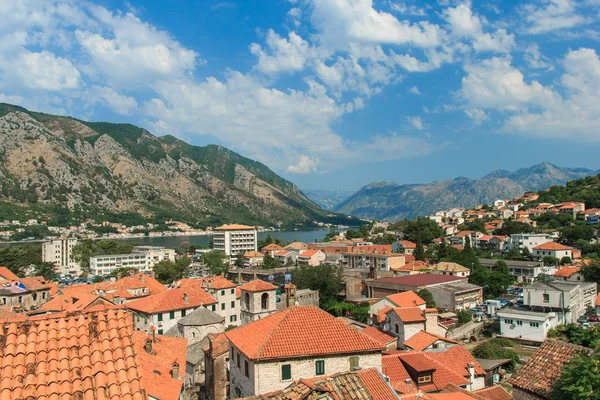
[253, 254]
[6, 313]
[566, 272]
[463, 233]
[137, 281]
[216, 282]
[220, 344]
[157, 366]
[257, 285]
[376, 386]
[309, 253]
[406, 299]
[407, 244]
[597, 303]
[412, 266]
[485, 238]
[383, 313]
[35, 283]
[380, 337]
[271, 247]
[8, 274]
[494, 393]
[299, 332]
[234, 227]
[172, 300]
[85, 356]
[545, 366]
[75, 303]
[453, 389]
[410, 314]
[551, 246]
[423, 340]
[451, 396]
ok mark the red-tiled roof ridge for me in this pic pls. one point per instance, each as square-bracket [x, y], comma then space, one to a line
[406, 299]
[172, 300]
[551, 246]
[410, 314]
[8, 274]
[380, 337]
[299, 331]
[421, 340]
[257, 285]
[496, 392]
[566, 272]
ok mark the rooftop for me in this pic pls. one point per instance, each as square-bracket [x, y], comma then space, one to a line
[299, 332]
[199, 317]
[410, 314]
[406, 299]
[566, 272]
[458, 286]
[258, 285]
[545, 366]
[234, 227]
[7, 274]
[418, 279]
[450, 266]
[171, 300]
[423, 340]
[552, 246]
[380, 337]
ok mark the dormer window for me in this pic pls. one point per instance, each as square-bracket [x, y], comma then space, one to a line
[425, 378]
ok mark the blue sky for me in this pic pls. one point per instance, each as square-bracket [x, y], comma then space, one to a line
[331, 94]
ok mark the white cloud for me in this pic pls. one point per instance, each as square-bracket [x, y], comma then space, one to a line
[478, 116]
[414, 90]
[416, 122]
[284, 55]
[46, 71]
[119, 103]
[534, 58]
[405, 9]
[305, 165]
[552, 15]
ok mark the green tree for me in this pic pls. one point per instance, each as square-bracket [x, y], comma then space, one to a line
[549, 261]
[565, 260]
[326, 278]
[47, 270]
[591, 272]
[464, 316]
[269, 262]
[428, 297]
[576, 334]
[443, 251]
[239, 259]
[98, 279]
[496, 350]
[217, 261]
[501, 267]
[511, 227]
[514, 254]
[426, 227]
[17, 258]
[166, 271]
[419, 251]
[579, 379]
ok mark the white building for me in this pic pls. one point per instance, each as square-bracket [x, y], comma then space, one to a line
[235, 239]
[141, 259]
[530, 240]
[525, 324]
[58, 252]
[522, 271]
[297, 342]
[569, 300]
[552, 249]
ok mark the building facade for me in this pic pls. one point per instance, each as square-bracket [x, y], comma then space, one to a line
[141, 259]
[235, 239]
[58, 252]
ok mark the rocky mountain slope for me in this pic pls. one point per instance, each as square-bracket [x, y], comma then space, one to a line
[96, 169]
[327, 199]
[392, 202]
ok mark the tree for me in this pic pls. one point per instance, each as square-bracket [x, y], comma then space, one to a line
[591, 272]
[578, 379]
[419, 251]
[443, 251]
[514, 254]
[497, 349]
[239, 259]
[166, 271]
[511, 227]
[426, 227]
[549, 261]
[565, 260]
[576, 334]
[47, 270]
[326, 278]
[216, 260]
[501, 267]
[464, 316]
[428, 297]
[98, 279]
[269, 262]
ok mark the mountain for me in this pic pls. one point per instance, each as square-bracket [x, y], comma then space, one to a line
[392, 202]
[327, 199]
[52, 164]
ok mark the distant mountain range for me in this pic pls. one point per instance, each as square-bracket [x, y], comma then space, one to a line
[327, 199]
[392, 202]
[53, 165]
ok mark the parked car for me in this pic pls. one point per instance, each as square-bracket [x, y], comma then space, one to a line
[585, 325]
[582, 319]
[503, 303]
[592, 318]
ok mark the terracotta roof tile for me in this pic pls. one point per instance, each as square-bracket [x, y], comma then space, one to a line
[67, 349]
[494, 393]
[597, 302]
[171, 300]
[212, 282]
[234, 227]
[309, 253]
[545, 366]
[418, 280]
[257, 285]
[253, 254]
[219, 343]
[410, 314]
[383, 313]
[299, 331]
[78, 302]
[566, 272]
[380, 337]
[551, 246]
[7, 274]
[406, 299]
[423, 340]
[271, 247]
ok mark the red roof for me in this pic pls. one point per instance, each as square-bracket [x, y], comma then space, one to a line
[380, 337]
[234, 227]
[407, 244]
[217, 282]
[35, 283]
[383, 312]
[376, 385]
[83, 356]
[258, 285]
[271, 247]
[157, 366]
[172, 300]
[551, 246]
[410, 314]
[406, 299]
[219, 343]
[299, 332]
[463, 233]
[566, 272]
[419, 279]
[494, 393]
[423, 340]
[8, 274]
[78, 302]
[545, 366]
[597, 303]
[309, 253]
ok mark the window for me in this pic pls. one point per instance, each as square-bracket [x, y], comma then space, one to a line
[247, 301]
[397, 328]
[214, 307]
[424, 378]
[246, 369]
[160, 331]
[508, 321]
[193, 335]
[520, 323]
[232, 291]
[222, 293]
[320, 367]
[233, 304]
[222, 306]
[34, 296]
[233, 318]
[20, 299]
[172, 315]
[534, 324]
[546, 298]
[286, 372]
[183, 313]
[353, 362]
[264, 301]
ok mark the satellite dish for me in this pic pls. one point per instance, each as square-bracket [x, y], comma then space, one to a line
[271, 277]
[386, 327]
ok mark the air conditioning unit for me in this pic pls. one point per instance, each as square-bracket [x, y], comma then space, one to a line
[160, 324]
[512, 326]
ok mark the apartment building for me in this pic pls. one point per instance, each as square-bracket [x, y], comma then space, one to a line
[372, 259]
[223, 291]
[520, 241]
[141, 259]
[58, 252]
[552, 249]
[522, 271]
[234, 239]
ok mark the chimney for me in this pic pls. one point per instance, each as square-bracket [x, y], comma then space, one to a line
[471, 367]
[408, 381]
[175, 370]
[148, 346]
[143, 278]
[131, 273]
[186, 298]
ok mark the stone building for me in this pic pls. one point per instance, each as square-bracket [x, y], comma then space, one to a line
[197, 325]
[217, 367]
[258, 300]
